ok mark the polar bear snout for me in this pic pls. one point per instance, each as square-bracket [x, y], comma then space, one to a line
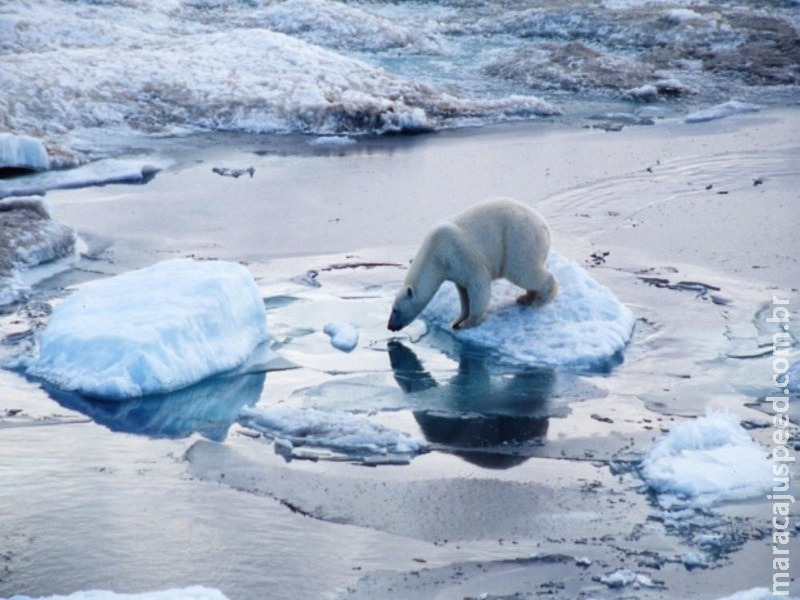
[395, 321]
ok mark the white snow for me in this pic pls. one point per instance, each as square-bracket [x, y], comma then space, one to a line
[585, 327]
[341, 432]
[190, 593]
[343, 335]
[151, 331]
[706, 461]
[721, 111]
[22, 152]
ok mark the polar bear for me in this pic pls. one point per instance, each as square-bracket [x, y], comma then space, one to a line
[497, 238]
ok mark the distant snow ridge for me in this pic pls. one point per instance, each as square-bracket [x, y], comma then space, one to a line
[150, 331]
[584, 328]
[705, 461]
[252, 80]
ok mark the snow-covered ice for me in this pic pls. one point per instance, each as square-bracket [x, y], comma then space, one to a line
[584, 328]
[189, 593]
[101, 172]
[339, 432]
[151, 331]
[343, 335]
[721, 111]
[706, 461]
[22, 152]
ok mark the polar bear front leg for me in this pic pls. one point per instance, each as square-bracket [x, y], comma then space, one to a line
[464, 297]
[476, 295]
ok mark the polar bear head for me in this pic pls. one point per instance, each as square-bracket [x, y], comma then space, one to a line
[407, 306]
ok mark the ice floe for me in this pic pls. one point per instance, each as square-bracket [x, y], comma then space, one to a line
[151, 331]
[21, 152]
[308, 432]
[721, 111]
[584, 328]
[706, 461]
[189, 593]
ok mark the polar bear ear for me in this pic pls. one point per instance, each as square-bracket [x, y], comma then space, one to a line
[410, 292]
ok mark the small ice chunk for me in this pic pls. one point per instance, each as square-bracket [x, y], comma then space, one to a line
[721, 111]
[705, 461]
[693, 560]
[20, 152]
[151, 331]
[343, 335]
[624, 577]
[190, 593]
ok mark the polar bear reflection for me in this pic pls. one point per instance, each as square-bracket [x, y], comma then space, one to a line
[489, 421]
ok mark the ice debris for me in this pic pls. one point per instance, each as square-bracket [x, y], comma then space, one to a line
[347, 434]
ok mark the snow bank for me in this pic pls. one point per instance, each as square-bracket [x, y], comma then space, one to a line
[151, 331]
[584, 328]
[22, 152]
[721, 111]
[343, 335]
[340, 432]
[705, 461]
[190, 593]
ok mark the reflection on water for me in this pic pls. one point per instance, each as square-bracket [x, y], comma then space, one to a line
[208, 408]
[483, 418]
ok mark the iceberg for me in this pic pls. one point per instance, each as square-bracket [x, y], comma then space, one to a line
[584, 328]
[22, 153]
[707, 461]
[151, 331]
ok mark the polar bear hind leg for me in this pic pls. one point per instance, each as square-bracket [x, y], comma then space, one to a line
[542, 292]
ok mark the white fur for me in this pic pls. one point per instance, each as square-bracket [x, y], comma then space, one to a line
[498, 238]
